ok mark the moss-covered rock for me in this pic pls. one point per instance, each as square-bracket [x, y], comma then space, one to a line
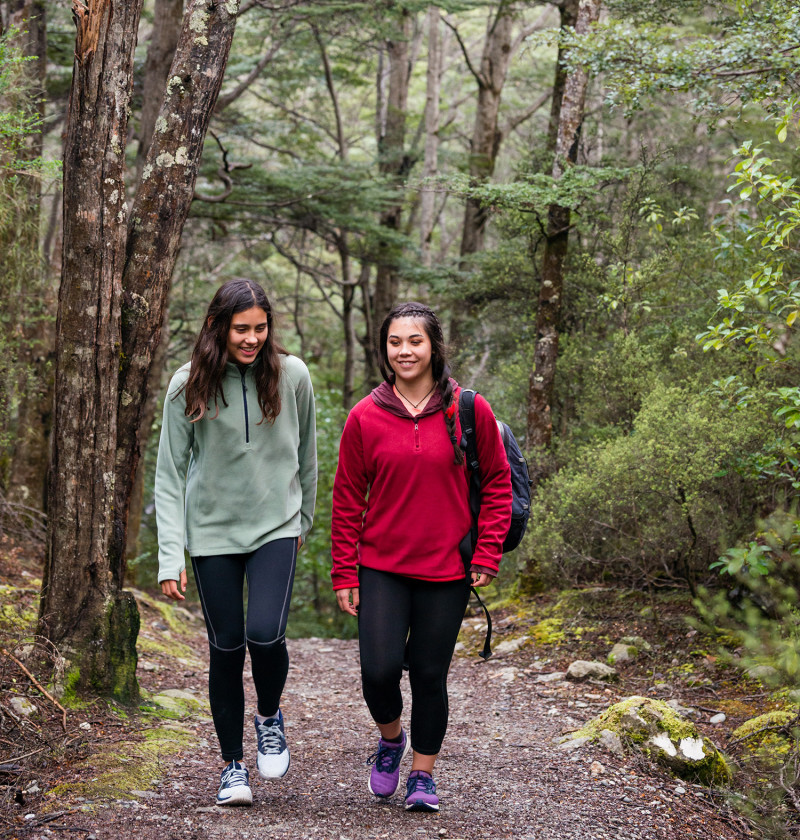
[641, 645]
[622, 653]
[176, 703]
[659, 732]
[770, 721]
[769, 737]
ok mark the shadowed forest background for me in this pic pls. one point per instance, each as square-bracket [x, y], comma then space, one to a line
[598, 198]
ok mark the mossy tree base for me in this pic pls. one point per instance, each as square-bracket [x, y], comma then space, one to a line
[104, 662]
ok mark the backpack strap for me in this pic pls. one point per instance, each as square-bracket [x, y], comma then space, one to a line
[469, 443]
[466, 414]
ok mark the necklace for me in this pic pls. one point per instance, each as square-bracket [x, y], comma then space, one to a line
[415, 406]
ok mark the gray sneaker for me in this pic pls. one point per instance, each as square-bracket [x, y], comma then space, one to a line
[234, 787]
[273, 754]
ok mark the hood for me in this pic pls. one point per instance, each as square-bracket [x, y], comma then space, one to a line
[384, 397]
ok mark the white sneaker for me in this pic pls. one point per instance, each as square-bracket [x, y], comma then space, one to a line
[273, 754]
[234, 788]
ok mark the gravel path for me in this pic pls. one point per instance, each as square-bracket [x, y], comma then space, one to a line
[500, 775]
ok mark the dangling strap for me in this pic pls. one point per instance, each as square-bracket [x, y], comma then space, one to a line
[487, 644]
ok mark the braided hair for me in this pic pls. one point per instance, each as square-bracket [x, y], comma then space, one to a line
[439, 366]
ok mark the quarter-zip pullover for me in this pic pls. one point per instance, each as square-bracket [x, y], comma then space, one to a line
[401, 504]
[227, 484]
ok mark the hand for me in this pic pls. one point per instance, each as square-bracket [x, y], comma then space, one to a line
[299, 543]
[481, 578]
[170, 587]
[348, 600]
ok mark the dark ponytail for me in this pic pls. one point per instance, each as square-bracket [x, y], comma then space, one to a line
[439, 366]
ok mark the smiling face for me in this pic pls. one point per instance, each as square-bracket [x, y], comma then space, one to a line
[408, 349]
[246, 335]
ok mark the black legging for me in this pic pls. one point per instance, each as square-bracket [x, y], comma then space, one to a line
[220, 584]
[391, 609]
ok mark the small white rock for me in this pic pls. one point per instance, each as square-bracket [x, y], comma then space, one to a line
[719, 718]
[23, 706]
[86, 726]
[555, 676]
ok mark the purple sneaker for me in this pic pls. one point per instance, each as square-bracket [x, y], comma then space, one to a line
[385, 776]
[421, 792]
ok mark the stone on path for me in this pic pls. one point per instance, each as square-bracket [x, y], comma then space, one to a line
[611, 742]
[555, 676]
[582, 669]
[510, 645]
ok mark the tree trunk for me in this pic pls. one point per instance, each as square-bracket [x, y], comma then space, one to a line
[370, 339]
[548, 316]
[167, 16]
[348, 323]
[82, 609]
[568, 12]
[111, 308]
[434, 78]
[485, 144]
[394, 163]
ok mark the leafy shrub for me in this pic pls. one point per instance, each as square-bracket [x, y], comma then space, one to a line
[653, 506]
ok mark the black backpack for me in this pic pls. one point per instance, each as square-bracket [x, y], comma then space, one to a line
[520, 494]
[520, 480]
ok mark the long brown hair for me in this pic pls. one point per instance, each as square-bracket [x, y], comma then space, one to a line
[210, 354]
[439, 365]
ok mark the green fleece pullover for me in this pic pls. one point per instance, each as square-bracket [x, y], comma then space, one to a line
[228, 485]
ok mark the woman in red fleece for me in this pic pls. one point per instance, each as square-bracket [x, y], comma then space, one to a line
[400, 509]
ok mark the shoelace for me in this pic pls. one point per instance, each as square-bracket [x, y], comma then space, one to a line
[270, 739]
[235, 776]
[423, 783]
[386, 758]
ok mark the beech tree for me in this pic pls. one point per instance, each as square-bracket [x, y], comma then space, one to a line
[570, 120]
[116, 272]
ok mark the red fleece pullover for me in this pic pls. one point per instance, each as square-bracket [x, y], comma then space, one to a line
[400, 503]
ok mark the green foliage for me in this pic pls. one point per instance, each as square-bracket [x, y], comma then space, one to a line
[751, 559]
[747, 53]
[17, 118]
[20, 171]
[761, 312]
[534, 192]
[653, 505]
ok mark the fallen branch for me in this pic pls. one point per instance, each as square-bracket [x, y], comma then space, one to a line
[39, 686]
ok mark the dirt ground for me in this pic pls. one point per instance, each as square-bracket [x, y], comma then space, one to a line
[501, 773]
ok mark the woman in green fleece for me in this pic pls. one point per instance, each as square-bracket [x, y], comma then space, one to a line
[235, 486]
